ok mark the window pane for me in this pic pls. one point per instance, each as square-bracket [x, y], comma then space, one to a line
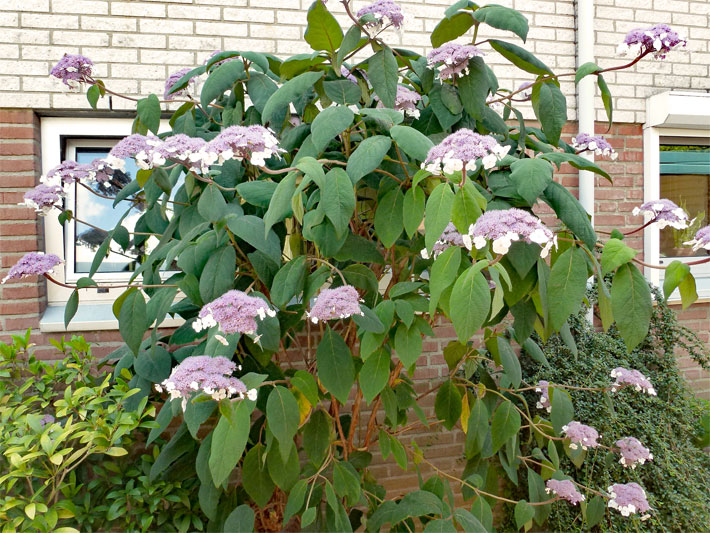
[100, 212]
[685, 180]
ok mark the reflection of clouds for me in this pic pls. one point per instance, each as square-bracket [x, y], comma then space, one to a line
[91, 209]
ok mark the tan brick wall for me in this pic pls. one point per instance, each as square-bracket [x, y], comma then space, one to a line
[137, 44]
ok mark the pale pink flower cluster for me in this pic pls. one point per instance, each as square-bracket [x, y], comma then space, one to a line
[594, 143]
[503, 227]
[73, 70]
[581, 435]
[384, 12]
[449, 237]
[204, 373]
[405, 101]
[233, 312]
[544, 390]
[341, 302]
[565, 489]
[701, 240]
[173, 79]
[631, 378]
[659, 40]
[33, 264]
[454, 57]
[664, 213]
[43, 198]
[68, 172]
[254, 143]
[462, 149]
[628, 498]
[633, 452]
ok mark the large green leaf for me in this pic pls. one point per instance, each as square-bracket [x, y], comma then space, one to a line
[287, 93]
[329, 123]
[505, 425]
[631, 304]
[474, 87]
[606, 97]
[466, 207]
[389, 217]
[382, 71]
[531, 177]
[133, 319]
[323, 31]
[615, 254]
[367, 156]
[585, 70]
[413, 210]
[260, 87]
[443, 274]
[450, 28]
[338, 200]
[510, 362]
[282, 414]
[71, 307]
[503, 18]
[374, 374]
[220, 80]
[571, 212]
[218, 274]
[438, 213]
[211, 204]
[577, 161]
[289, 281]
[335, 365]
[343, 92]
[524, 513]
[350, 43]
[153, 364]
[148, 112]
[346, 481]
[520, 57]
[477, 428]
[448, 404]
[228, 441]
[470, 303]
[444, 101]
[317, 436]
[561, 409]
[414, 143]
[567, 285]
[280, 202]
[252, 229]
[408, 344]
[255, 476]
[241, 520]
[550, 107]
[675, 273]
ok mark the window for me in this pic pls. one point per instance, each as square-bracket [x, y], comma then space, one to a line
[83, 140]
[677, 167]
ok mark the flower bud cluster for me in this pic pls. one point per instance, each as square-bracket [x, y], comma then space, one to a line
[462, 149]
[594, 143]
[664, 213]
[341, 302]
[43, 198]
[631, 378]
[659, 40]
[73, 70]
[502, 227]
[454, 57]
[33, 264]
[384, 11]
[204, 373]
[233, 312]
[565, 489]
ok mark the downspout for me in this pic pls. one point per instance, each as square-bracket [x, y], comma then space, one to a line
[585, 97]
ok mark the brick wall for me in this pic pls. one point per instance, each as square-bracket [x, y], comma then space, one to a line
[136, 44]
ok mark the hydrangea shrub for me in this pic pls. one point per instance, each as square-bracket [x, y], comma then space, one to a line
[336, 205]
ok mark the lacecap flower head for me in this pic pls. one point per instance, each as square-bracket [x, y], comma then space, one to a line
[33, 264]
[631, 378]
[172, 80]
[203, 373]
[664, 213]
[628, 498]
[405, 101]
[43, 198]
[254, 143]
[594, 143]
[341, 302]
[384, 12]
[658, 40]
[233, 312]
[180, 148]
[463, 148]
[454, 57]
[633, 452]
[502, 227]
[134, 146]
[581, 435]
[701, 240]
[565, 489]
[544, 402]
[449, 237]
[73, 70]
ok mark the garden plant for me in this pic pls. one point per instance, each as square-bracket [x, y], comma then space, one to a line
[312, 219]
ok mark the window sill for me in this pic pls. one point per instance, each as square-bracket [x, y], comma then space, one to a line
[89, 317]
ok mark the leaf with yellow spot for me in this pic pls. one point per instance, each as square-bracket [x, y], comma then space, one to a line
[465, 412]
[304, 406]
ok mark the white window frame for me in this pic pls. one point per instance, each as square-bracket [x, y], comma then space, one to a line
[57, 136]
[671, 114]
